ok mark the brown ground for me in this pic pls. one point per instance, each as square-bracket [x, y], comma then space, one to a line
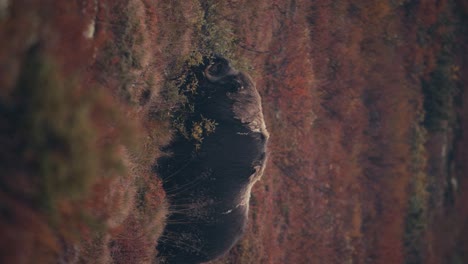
[365, 103]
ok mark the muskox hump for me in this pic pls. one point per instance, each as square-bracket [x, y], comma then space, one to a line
[208, 185]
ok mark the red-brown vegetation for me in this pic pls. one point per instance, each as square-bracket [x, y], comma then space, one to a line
[343, 149]
[365, 165]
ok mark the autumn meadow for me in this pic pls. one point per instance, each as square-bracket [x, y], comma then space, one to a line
[366, 103]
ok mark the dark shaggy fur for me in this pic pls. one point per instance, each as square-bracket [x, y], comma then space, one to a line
[209, 188]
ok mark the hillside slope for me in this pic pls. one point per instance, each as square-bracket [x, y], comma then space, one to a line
[365, 103]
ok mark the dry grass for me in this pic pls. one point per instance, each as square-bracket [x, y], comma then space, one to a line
[343, 88]
[84, 141]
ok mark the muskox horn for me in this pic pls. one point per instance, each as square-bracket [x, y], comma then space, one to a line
[219, 69]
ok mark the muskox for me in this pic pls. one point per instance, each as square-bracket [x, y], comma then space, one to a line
[208, 185]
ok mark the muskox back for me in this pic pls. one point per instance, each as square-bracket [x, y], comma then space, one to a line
[208, 185]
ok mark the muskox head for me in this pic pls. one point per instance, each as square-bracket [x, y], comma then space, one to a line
[208, 186]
